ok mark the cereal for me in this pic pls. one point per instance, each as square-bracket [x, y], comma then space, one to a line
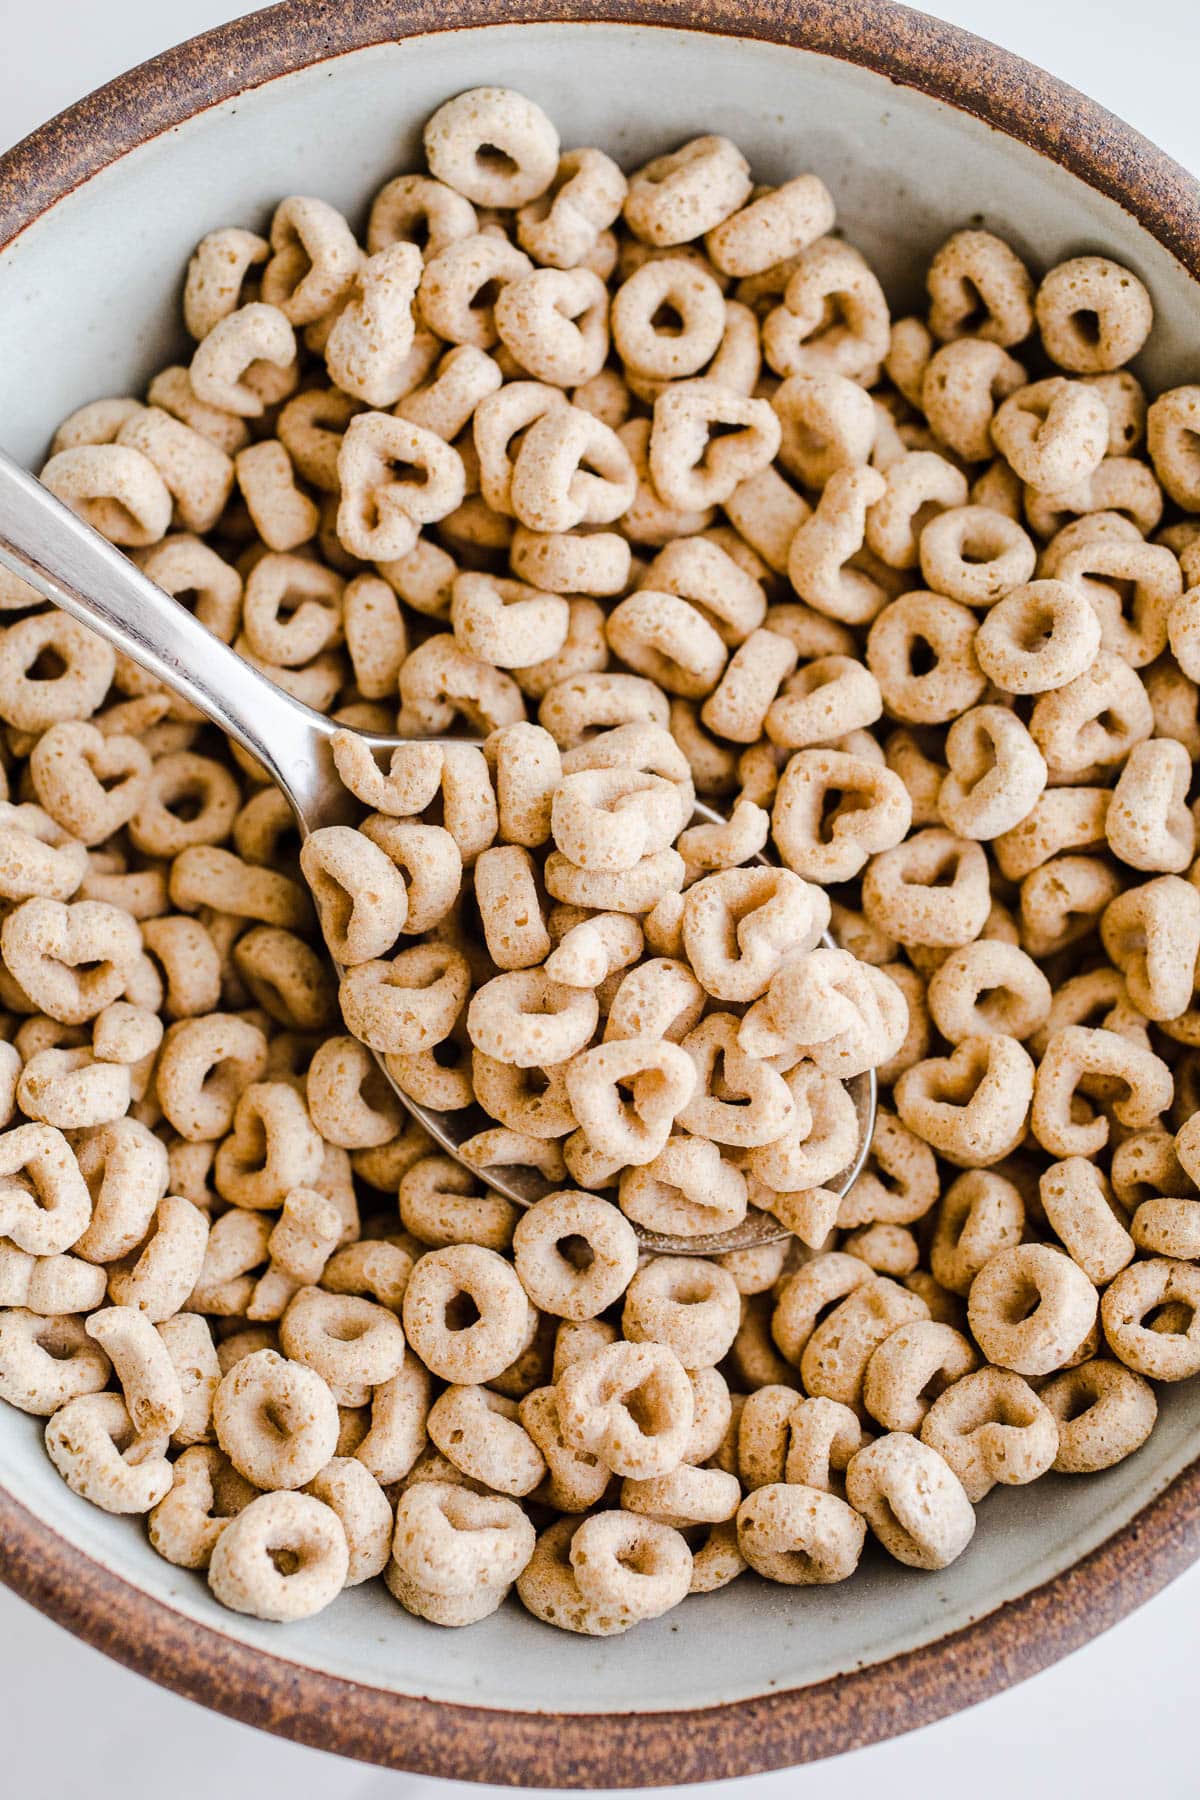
[636, 480]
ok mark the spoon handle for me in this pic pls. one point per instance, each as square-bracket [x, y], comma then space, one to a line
[60, 555]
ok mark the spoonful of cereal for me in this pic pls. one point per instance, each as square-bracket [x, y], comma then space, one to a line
[639, 1034]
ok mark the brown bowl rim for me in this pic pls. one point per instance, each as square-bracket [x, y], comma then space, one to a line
[776, 1730]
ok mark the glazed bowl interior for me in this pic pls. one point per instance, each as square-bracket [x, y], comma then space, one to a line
[89, 306]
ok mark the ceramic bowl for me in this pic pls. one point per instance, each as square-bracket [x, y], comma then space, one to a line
[917, 129]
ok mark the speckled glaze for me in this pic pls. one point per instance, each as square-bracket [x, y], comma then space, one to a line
[916, 127]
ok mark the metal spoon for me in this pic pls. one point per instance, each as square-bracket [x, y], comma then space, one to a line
[63, 558]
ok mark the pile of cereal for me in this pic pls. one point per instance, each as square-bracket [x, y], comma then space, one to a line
[917, 600]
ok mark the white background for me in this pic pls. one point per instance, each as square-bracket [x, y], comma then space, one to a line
[1120, 1715]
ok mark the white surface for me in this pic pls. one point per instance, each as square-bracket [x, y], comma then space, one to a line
[1057, 1732]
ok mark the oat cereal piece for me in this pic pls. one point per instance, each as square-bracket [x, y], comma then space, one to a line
[244, 1571]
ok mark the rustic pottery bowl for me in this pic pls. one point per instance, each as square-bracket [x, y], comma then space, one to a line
[917, 128]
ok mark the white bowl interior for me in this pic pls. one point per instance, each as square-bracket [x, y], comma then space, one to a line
[89, 306]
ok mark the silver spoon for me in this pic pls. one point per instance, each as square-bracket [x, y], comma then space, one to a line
[48, 545]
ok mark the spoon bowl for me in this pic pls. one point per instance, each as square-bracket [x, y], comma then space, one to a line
[61, 556]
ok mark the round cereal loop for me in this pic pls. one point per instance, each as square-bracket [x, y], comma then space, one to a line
[204, 1067]
[245, 362]
[660, 1078]
[996, 773]
[680, 196]
[361, 1505]
[740, 924]
[631, 1565]
[688, 1304]
[905, 636]
[1093, 314]
[1172, 427]
[972, 1107]
[1062, 1122]
[988, 988]
[493, 146]
[47, 1360]
[415, 209]
[829, 280]
[975, 555]
[911, 1369]
[563, 225]
[976, 272]
[1104, 1412]
[451, 1543]
[478, 1431]
[284, 1557]
[912, 1500]
[1144, 1289]
[206, 1493]
[689, 1190]
[1041, 636]
[772, 227]
[87, 664]
[409, 1004]
[630, 1405]
[799, 1535]
[275, 1420]
[932, 889]
[835, 1357]
[351, 1343]
[465, 1313]
[575, 1254]
[675, 288]
[962, 385]
[102, 1456]
[991, 1427]
[549, 1590]
[358, 890]
[1030, 1308]
[1148, 823]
